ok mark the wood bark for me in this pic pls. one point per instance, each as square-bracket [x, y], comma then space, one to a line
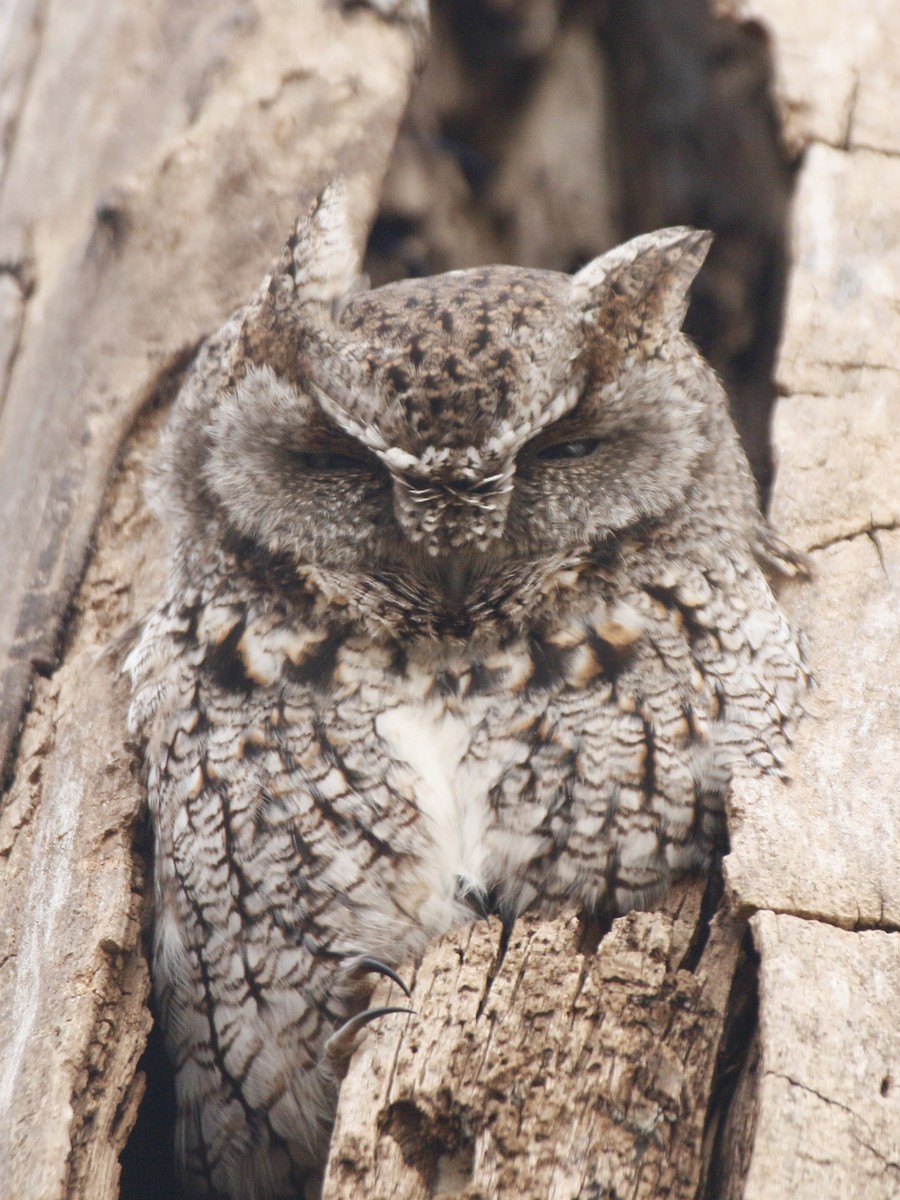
[152, 158]
[566, 1071]
[819, 1112]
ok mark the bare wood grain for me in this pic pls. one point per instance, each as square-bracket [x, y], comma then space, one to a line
[161, 153]
[815, 1114]
[565, 1073]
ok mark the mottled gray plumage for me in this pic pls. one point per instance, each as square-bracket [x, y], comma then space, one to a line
[464, 613]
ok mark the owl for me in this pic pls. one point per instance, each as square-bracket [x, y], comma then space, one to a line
[465, 614]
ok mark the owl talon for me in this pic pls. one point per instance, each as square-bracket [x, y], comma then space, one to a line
[344, 1040]
[365, 965]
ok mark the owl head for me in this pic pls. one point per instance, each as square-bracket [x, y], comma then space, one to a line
[441, 433]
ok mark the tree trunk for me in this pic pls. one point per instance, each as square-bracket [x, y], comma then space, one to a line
[152, 158]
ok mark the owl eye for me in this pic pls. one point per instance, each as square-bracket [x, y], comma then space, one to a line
[583, 448]
[328, 461]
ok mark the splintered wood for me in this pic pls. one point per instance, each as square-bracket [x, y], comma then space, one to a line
[560, 1073]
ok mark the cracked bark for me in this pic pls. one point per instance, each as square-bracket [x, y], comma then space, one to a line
[569, 1072]
[819, 866]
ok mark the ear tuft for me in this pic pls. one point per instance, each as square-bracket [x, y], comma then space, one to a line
[296, 305]
[320, 264]
[325, 260]
[644, 280]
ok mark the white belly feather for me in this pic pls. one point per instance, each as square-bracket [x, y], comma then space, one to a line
[429, 747]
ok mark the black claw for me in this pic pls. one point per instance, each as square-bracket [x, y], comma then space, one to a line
[365, 965]
[361, 1020]
[342, 1039]
[508, 920]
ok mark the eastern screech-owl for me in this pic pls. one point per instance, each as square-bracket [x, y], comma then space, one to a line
[464, 614]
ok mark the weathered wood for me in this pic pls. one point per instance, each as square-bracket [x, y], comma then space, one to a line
[828, 1000]
[838, 78]
[563, 1073]
[157, 156]
[831, 848]
[73, 978]
[828, 847]
[160, 154]
[154, 156]
[816, 1113]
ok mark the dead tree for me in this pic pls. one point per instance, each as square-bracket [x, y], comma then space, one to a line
[738, 1042]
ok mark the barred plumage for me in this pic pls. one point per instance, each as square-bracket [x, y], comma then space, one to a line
[464, 615]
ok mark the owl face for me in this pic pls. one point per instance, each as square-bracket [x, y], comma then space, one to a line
[461, 615]
[440, 434]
